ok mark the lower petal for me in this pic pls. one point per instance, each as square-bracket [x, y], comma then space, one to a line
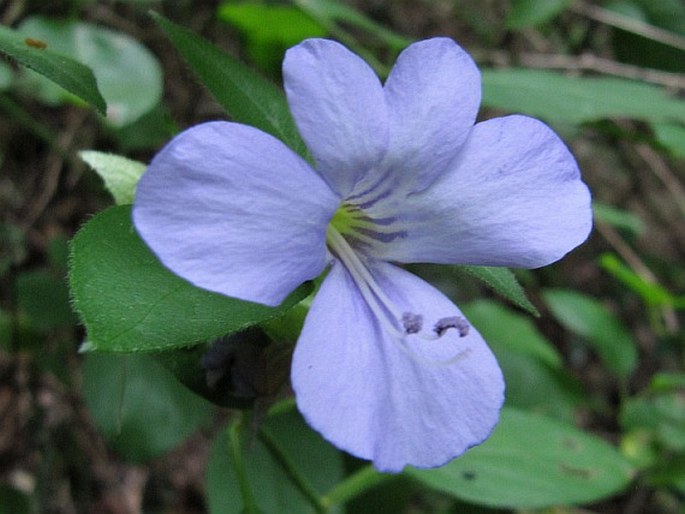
[397, 403]
[233, 210]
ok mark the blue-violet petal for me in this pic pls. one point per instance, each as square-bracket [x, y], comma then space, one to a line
[393, 402]
[433, 95]
[513, 197]
[339, 107]
[216, 205]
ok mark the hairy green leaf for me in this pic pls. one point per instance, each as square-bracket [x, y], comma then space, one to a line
[129, 302]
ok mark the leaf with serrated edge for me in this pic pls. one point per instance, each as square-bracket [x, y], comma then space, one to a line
[129, 302]
[247, 96]
[503, 282]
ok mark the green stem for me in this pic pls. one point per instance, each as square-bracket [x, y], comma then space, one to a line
[235, 447]
[292, 472]
[356, 484]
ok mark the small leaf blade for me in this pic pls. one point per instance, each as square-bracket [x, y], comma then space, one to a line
[533, 462]
[247, 96]
[138, 406]
[246, 476]
[559, 98]
[533, 13]
[120, 174]
[503, 282]
[73, 76]
[590, 319]
[129, 302]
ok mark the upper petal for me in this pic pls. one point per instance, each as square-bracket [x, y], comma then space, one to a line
[233, 210]
[433, 94]
[379, 400]
[337, 102]
[513, 197]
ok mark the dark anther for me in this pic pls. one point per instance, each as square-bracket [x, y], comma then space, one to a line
[456, 322]
[412, 322]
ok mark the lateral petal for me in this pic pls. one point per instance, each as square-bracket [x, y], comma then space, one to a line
[338, 104]
[394, 403]
[513, 197]
[233, 210]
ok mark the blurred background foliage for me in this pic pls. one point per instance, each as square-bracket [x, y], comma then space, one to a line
[595, 416]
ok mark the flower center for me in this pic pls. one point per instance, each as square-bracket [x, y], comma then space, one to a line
[362, 230]
[345, 225]
[345, 218]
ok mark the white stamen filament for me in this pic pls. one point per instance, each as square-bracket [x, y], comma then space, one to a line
[382, 307]
[370, 290]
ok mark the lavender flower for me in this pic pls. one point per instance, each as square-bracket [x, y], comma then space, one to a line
[386, 367]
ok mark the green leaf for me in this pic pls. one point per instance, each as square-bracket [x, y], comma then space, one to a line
[618, 218]
[670, 473]
[332, 13]
[5, 74]
[129, 302]
[269, 29]
[64, 71]
[503, 282]
[138, 406]
[120, 174]
[661, 414]
[128, 74]
[282, 24]
[151, 131]
[647, 33]
[502, 326]
[533, 462]
[43, 298]
[590, 319]
[7, 331]
[532, 367]
[665, 381]
[247, 97]
[672, 136]
[530, 13]
[317, 461]
[560, 98]
[653, 294]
